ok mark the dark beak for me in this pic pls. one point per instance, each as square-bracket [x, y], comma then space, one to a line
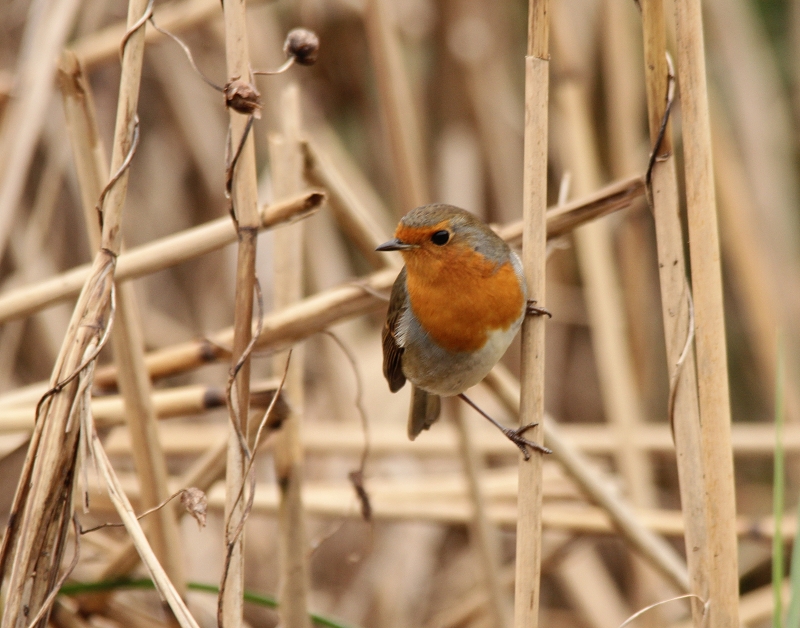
[395, 245]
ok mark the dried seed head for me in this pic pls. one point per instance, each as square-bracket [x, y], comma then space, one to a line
[303, 45]
[195, 502]
[243, 97]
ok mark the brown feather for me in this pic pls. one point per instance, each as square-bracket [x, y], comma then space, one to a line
[392, 351]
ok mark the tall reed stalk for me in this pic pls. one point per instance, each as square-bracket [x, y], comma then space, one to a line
[675, 303]
[534, 255]
[712, 360]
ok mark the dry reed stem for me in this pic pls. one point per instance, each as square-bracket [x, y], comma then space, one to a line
[712, 371]
[154, 256]
[606, 313]
[287, 167]
[244, 206]
[125, 511]
[483, 535]
[493, 97]
[43, 503]
[397, 106]
[625, 108]
[326, 167]
[653, 548]
[134, 381]
[748, 262]
[110, 411]
[445, 499]
[599, 605]
[664, 197]
[534, 259]
[750, 440]
[22, 122]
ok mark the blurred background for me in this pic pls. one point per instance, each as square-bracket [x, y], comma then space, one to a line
[410, 102]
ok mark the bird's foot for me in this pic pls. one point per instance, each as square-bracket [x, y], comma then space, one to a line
[531, 308]
[516, 437]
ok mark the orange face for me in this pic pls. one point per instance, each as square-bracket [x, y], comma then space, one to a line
[457, 294]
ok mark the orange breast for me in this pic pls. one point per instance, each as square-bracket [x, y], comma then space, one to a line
[460, 296]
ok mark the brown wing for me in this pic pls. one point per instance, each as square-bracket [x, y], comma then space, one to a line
[392, 351]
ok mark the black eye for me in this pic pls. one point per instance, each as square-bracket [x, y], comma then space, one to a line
[440, 238]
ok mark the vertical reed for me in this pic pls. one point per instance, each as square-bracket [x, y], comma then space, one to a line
[244, 200]
[675, 305]
[286, 158]
[534, 255]
[134, 380]
[42, 507]
[712, 361]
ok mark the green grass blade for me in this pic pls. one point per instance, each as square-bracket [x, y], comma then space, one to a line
[78, 588]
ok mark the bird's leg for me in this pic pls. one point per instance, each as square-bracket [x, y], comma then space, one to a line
[531, 308]
[515, 436]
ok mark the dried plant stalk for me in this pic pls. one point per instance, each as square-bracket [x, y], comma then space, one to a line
[712, 363]
[43, 503]
[484, 535]
[134, 380]
[287, 176]
[675, 305]
[26, 115]
[244, 199]
[397, 105]
[154, 256]
[534, 258]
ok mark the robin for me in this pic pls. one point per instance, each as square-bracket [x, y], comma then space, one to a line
[455, 307]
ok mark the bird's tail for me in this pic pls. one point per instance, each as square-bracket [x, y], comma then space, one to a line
[425, 408]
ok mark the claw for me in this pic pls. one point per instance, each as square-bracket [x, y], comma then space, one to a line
[531, 308]
[515, 436]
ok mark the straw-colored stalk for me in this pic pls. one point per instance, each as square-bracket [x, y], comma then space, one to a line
[326, 168]
[286, 158]
[154, 256]
[444, 499]
[750, 441]
[397, 105]
[483, 535]
[23, 121]
[34, 541]
[244, 199]
[534, 257]
[134, 380]
[712, 364]
[609, 335]
[675, 306]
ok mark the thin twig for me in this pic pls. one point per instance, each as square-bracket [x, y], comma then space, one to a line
[357, 476]
[135, 27]
[139, 517]
[187, 51]
[120, 171]
[670, 99]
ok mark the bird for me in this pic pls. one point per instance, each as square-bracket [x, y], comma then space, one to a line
[454, 309]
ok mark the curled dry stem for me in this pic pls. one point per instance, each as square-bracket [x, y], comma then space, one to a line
[356, 476]
[233, 411]
[141, 516]
[232, 538]
[662, 130]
